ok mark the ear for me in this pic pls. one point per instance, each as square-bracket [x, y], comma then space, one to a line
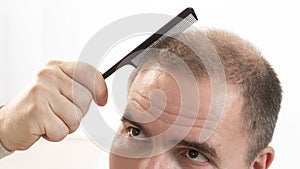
[263, 159]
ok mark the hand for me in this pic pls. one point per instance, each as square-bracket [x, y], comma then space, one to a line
[52, 106]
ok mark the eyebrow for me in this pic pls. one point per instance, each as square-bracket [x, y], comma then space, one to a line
[201, 147]
[127, 117]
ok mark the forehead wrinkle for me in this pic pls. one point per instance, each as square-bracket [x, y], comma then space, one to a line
[145, 93]
[140, 105]
[148, 80]
[197, 123]
[143, 99]
[160, 125]
[145, 82]
[166, 112]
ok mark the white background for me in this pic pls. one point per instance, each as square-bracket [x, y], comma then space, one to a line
[35, 31]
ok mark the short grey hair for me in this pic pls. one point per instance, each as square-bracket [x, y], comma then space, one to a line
[245, 68]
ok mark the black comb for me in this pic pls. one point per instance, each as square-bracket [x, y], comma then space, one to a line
[178, 24]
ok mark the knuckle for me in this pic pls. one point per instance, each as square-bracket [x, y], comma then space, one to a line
[87, 99]
[38, 105]
[23, 146]
[37, 111]
[75, 118]
[74, 125]
[60, 132]
[53, 62]
[38, 91]
[46, 72]
[86, 67]
[82, 97]
[86, 105]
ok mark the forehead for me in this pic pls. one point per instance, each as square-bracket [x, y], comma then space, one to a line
[153, 87]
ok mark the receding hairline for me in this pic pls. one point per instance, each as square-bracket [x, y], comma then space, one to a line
[245, 68]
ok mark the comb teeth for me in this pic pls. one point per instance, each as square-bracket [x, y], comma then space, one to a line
[177, 25]
[177, 29]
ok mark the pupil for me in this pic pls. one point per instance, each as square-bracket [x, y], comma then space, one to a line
[135, 132]
[193, 153]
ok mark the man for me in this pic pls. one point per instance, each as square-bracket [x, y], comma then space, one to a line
[171, 120]
[244, 130]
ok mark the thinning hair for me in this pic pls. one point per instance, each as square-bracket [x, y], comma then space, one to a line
[245, 68]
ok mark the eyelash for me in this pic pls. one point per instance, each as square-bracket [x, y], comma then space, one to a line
[184, 150]
[129, 128]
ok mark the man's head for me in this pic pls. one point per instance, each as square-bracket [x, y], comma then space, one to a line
[244, 129]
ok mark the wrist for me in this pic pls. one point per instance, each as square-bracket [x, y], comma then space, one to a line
[2, 126]
[3, 151]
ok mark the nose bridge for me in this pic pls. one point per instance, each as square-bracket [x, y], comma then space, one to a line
[161, 161]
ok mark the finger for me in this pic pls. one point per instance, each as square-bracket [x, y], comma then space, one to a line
[55, 129]
[75, 92]
[54, 77]
[89, 77]
[68, 112]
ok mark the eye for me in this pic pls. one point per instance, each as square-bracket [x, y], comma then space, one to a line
[195, 156]
[135, 133]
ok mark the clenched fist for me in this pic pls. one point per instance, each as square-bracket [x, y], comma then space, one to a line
[52, 106]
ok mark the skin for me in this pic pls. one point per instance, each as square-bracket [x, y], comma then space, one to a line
[48, 107]
[227, 144]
